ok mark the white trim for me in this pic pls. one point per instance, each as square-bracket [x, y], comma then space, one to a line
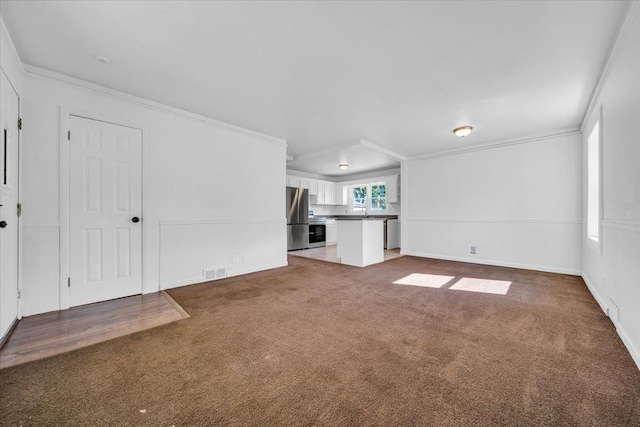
[63, 208]
[380, 149]
[20, 198]
[611, 59]
[230, 273]
[633, 351]
[220, 221]
[497, 144]
[596, 295]
[495, 263]
[500, 220]
[622, 225]
[51, 75]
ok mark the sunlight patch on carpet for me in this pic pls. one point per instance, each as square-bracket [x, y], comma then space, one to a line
[498, 287]
[424, 280]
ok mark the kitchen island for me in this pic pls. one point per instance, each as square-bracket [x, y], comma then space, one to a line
[360, 241]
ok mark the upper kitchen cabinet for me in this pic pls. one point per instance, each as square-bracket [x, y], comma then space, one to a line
[340, 194]
[313, 187]
[325, 193]
[320, 192]
[296, 181]
[393, 189]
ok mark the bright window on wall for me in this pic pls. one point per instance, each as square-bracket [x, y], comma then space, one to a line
[359, 199]
[379, 197]
[371, 198]
[593, 183]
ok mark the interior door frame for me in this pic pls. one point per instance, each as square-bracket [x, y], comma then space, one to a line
[64, 195]
[19, 196]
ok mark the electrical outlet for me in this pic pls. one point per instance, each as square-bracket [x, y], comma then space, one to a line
[474, 249]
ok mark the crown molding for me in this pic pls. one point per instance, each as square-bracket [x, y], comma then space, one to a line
[498, 144]
[611, 59]
[32, 70]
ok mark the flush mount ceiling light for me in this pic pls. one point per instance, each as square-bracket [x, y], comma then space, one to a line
[343, 166]
[463, 131]
[102, 59]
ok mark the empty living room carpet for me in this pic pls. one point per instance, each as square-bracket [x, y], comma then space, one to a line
[317, 343]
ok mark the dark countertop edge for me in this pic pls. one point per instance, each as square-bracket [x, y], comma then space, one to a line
[321, 218]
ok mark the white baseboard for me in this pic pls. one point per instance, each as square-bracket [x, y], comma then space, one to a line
[255, 269]
[635, 354]
[496, 263]
[633, 351]
[230, 273]
[601, 301]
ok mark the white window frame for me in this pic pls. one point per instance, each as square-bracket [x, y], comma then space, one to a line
[594, 208]
[369, 210]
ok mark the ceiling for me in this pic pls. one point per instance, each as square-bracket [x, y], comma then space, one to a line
[326, 76]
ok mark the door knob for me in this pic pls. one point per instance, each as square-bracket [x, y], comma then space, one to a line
[135, 219]
[3, 224]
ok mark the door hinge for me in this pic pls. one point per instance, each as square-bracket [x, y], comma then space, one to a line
[19, 123]
[19, 210]
[69, 135]
[19, 294]
[68, 282]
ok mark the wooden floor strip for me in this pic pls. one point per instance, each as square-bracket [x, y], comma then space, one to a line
[48, 334]
[175, 305]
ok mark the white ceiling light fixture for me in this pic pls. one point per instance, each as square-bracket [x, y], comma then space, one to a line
[463, 131]
[102, 59]
[343, 166]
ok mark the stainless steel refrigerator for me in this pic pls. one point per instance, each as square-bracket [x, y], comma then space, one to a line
[297, 218]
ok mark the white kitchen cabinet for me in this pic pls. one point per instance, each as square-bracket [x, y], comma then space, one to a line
[328, 192]
[325, 193]
[293, 181]
[313, 187]
[331, 232]
[393, 189]
[360, 242]
[393, 235]
[340, 196]
[297, 181]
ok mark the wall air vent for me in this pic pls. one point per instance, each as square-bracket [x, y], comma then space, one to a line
[218, 273]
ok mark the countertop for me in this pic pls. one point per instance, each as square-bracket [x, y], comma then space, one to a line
[320, 219]
[359, 218]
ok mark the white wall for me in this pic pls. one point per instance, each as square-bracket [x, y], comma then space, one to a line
[612, 268]
[9, 60]
[519, 204]
[212, 194]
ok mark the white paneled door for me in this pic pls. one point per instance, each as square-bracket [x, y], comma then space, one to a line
[105, 215]
[8, 205]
